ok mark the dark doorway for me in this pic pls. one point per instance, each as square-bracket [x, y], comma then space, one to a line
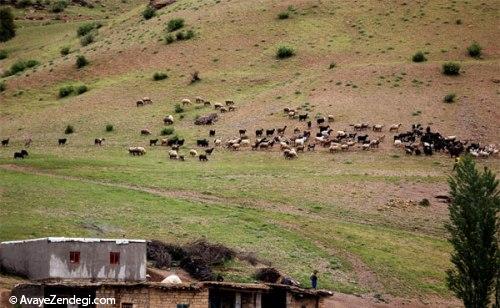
[274, 299]
[221, 298]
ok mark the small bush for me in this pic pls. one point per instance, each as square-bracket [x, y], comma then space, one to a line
[58, 6]
[283, 15]
[424, 202]
[66, 91]
[159, 76]
[69, 129]
[178, 108]
[148, 12]
[81, 89]
[20, 66]
[451, 68]
[86, 28]
[450, 98]
[180, 36]
[64, 51]
[175, 24]
[109, 127]
[3, 54]
[332, 65]
[211, 254]
[284, 52]
[7, 25]
[158, 254]
[81, 61]
[474, 50]
[87, 39]
[167, 131]
[169, 39]
[2, 86]
[189, 34]
[419, 57]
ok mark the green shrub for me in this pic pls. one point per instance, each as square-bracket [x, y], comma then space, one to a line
[87, 39]
[64, 51]
[148, 12]
[66, 91]
[450, 98]
[283, 15]
[451, 68]
[169, 39]
[189, 34]
[20, 66]
[474, 50]
[167, 131]
[7, 26]
[81, 89]
[178, 108]
[159, 76]
[284, 52]
[419, 57]
[180, 36]
[109, 127]
[69, 129]
[2, 86]
[81, 61]
[3, 54]
[58, 6]
[86, 28]
[175, 24]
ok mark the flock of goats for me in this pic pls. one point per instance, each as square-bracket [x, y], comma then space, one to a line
[416, 141]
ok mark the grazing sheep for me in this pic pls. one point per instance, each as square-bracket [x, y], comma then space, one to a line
[331, 118]
[202, 143]
[24, 153]
[28, 142]
[242, 131]
[341, 134]
[217, 142]
[181, 158]
[206, 103]
[98, 141]
[344, 147]
[303, 117]
[270, 132]
[398, 143]
[18, 155]
[290, 154]
[172, 154]
[365, 146]
[62, 141]
[334, 147]
[320, 120]
[229, 103]
[137, 151]
[164, 142]
[202, 157]
[193, 152]
[153, 142]
[211, 133]
[209, 151]
[259, 132]
[217, 106]
[199, 100]
[139, 103]
[362, 138]
[311, 147]
[281, 131]
[395, 127]
[291, 114]
[186, 102]
[168, 120]
[145, 132]
[147, 100]
[245, 142]
[377, 127]
[223, 109]
[301, 148]
[284, 146]
[5, 142]
[231, 108]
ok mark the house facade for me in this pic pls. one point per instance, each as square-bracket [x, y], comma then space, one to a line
[56, 258]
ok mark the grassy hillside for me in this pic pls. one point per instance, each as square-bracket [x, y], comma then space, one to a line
[348, 214]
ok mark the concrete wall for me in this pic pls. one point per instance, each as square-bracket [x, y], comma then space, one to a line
[43, 259]
[155, 298]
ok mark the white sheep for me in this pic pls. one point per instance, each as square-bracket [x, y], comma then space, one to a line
[245, 143]
[186, 101]
[217, 142]
[193, 152]
[395, 127]
[330, 118]
[398, 143]
[172, 279]
[173, 154]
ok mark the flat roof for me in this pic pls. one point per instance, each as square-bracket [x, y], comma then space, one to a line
[76, 239]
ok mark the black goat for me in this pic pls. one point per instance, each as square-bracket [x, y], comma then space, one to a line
[153, 142]
[203, 157]
[302, 117]
[62, 141]
[5, 142]
[211, 133]
[202, 142]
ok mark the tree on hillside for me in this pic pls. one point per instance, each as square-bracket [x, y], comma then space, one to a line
[473, 228]
[7, 27]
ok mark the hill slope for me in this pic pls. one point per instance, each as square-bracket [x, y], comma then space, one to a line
[346, 214]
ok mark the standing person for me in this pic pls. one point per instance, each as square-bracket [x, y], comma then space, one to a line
[314, 280]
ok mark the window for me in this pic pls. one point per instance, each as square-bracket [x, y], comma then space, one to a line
[74, 257]
[127, 305]
[182, 305]
[114, 258]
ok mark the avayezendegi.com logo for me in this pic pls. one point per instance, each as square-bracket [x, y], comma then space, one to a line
[55, 300]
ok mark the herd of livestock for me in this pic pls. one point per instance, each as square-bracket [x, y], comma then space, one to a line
[311, 137]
